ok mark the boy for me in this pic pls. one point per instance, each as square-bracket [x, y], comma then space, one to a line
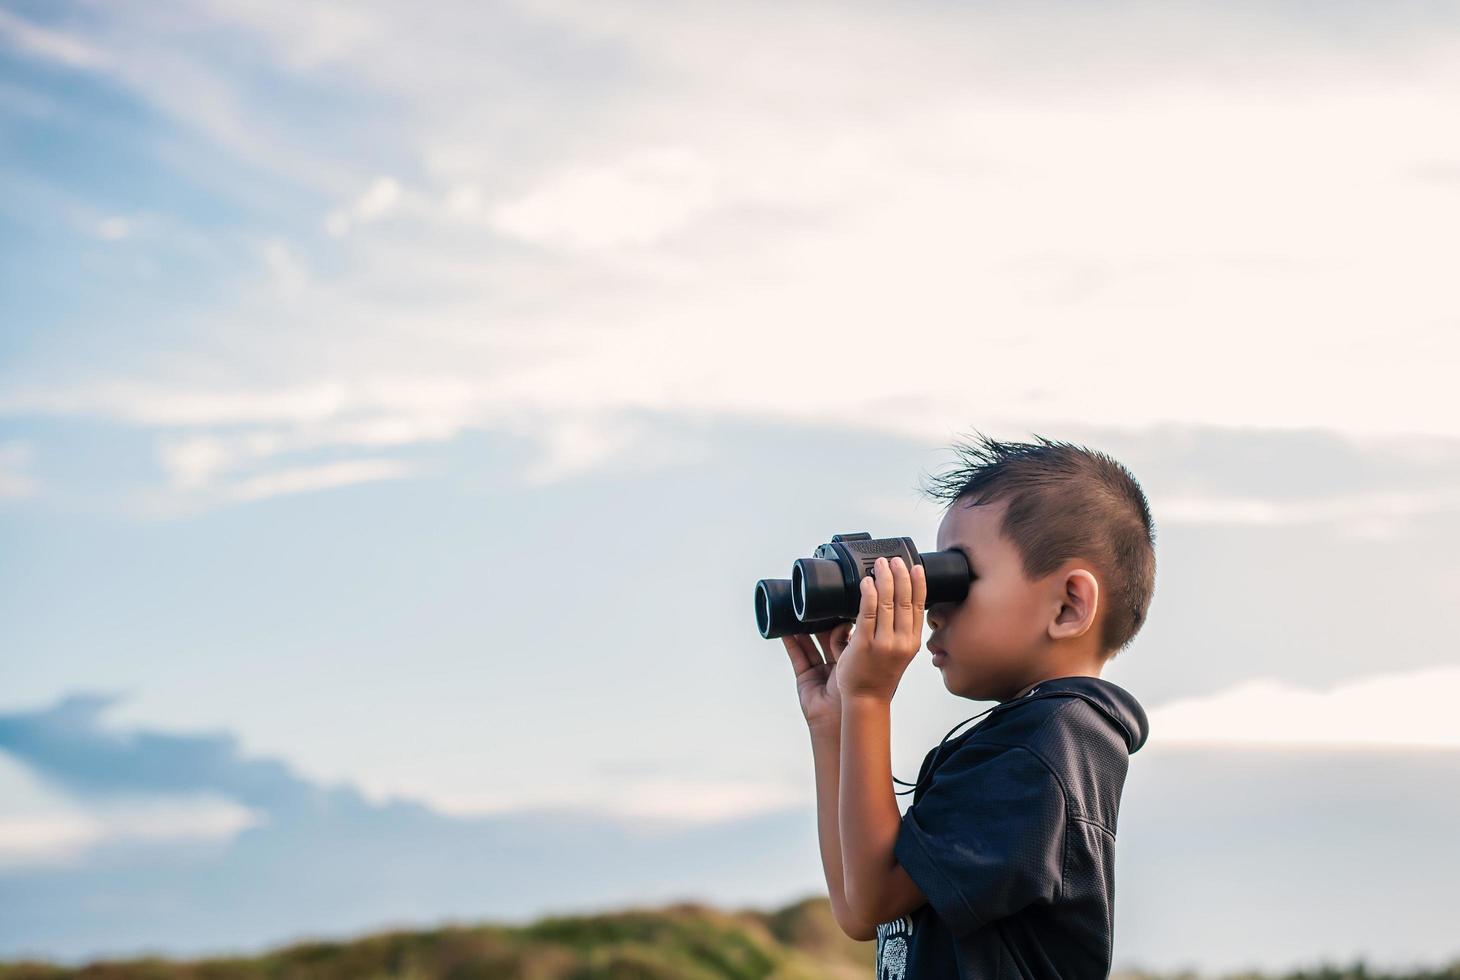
[1003, 866]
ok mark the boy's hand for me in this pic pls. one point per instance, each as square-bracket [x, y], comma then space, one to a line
[888, 633]
[821, 700]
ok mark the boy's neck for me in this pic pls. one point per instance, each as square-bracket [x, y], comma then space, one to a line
[1050, 678]
[1076, 667]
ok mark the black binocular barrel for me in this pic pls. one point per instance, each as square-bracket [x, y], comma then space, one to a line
[825, 589]
[774, 614]
[822, 589]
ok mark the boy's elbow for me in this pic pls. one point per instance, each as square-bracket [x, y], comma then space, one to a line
[860, 911]
[857, 930]
[852, 922]
[898, 896]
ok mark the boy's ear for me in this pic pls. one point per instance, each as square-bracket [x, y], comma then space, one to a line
[1078, 602]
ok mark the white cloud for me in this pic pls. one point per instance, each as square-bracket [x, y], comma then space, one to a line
[285, 267]
[220, 444]
[308, 36]
[208, 468]
[464, 201]
[672, 800]
[1374, 514]
[1412, 710]
[380, 410]
[571, 446]
[378, 200]
[15, 478]
[150, 404]
[39, 827]
[691, 800]
[49, 44]
[1062, 233]
[637, 200]
[325, 476]
[113, 229]
[229, 436]
[192, 462]
[1265, 511]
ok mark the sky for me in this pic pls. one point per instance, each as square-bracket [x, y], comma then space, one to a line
[398, 406]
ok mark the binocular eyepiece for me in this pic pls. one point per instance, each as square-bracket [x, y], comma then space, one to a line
[825, 589]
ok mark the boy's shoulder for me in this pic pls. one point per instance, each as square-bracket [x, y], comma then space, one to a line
[1082, 710]
[1079, 727]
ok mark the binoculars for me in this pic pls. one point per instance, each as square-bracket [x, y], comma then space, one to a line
[825, 589]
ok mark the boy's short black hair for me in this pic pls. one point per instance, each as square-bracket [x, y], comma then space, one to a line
[1066, 501]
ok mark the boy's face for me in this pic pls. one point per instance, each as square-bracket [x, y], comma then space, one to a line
[994, 637]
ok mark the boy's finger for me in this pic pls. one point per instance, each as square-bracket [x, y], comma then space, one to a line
[920, 599]
[901, 597]
[867, 611]
[827, 650]
[886, 609]
[809, 645]
[801, 658]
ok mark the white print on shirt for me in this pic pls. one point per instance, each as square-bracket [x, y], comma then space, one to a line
[892, 940]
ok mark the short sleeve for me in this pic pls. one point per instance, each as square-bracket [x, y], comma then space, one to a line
[986, 838]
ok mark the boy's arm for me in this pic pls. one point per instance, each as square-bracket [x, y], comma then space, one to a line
[878, 889]
[826, 750]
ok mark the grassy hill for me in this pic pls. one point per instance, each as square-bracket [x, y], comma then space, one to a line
[690, 941]
[679, 942]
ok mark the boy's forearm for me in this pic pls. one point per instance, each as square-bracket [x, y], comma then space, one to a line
[868, 817]
[826, 750]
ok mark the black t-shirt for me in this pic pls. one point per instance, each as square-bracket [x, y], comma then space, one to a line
[1011, 838]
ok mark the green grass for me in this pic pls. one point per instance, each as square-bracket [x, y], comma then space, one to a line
[679, 942]
[686, 941]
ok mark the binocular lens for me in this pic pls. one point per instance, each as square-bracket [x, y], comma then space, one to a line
[763, 605]
[775, 614]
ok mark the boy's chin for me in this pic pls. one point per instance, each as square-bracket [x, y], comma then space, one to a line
[959, 683]
[974, 688]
